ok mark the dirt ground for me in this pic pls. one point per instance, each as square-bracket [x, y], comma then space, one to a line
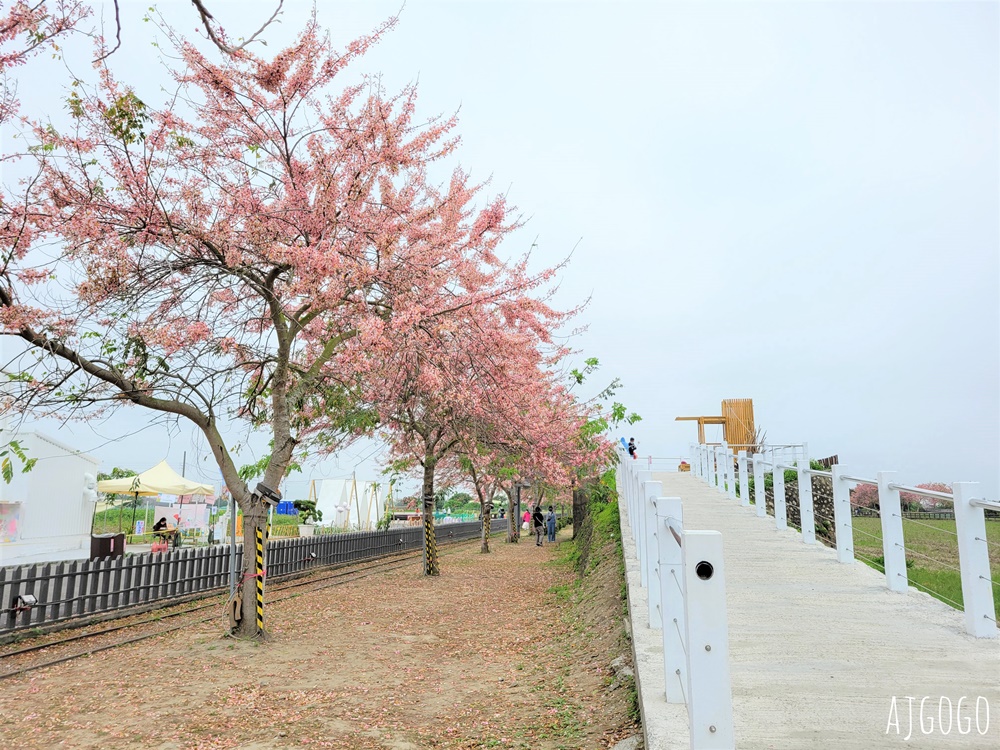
[501, 651]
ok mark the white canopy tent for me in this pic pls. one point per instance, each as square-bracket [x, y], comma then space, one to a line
[159, 480]
[349, 503]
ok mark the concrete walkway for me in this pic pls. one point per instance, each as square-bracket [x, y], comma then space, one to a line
[819, 650]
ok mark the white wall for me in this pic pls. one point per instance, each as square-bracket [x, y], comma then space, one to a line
[55, 507]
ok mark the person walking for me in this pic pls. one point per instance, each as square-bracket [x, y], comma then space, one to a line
[550, 523]
[539, 521]
[526, 520]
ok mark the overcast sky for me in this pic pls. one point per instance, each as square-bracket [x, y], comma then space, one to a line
[794, 202]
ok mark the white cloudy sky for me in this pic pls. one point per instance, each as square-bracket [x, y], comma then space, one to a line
[795, 202]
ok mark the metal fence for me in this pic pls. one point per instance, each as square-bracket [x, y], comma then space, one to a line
[60, 591]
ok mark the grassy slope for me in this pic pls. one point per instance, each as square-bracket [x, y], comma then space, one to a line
[931, 553]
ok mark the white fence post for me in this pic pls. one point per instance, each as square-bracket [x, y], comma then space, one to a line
[671, 599]
[710, 697]
[724, 472]
[974, 560]
[641, 478]
[842, 517]
[634, 497]
[715, 465]
[651, 491]
[759, 491]
[626, 490]
[731, 473]
[633, 518]
[744, 484]
[778, 485]
[807, 519]
[893, 545]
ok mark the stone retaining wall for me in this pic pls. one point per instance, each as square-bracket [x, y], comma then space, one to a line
[822, 490]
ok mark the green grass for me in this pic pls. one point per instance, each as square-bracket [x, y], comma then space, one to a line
[931, 555]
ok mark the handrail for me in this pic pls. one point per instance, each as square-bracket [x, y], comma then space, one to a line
[715, 466]
[922, 491]
[683, 574]
[982, 502]
[859, 480]
[677, 530]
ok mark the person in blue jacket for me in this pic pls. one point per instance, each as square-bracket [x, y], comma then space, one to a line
[550, 524]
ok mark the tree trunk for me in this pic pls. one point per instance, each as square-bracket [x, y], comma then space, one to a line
[431, 567]
[513, 524]
[579, 509]
[254, 520]
[487, 510]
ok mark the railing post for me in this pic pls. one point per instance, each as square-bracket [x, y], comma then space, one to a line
[640, 543]
[714, 460]
[778, 484]
[723, 455]
[671, 599]
[744, 484]
[974, 561]
[651, 491]
[633, 521]
[731, 473]
[627, 488]
[842, 517]
[710, 696]
[727, 471]
[634, 509]
[807, 518]
[893, 545]
[759, 491]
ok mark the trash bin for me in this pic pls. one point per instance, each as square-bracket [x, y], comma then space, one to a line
[106, 545]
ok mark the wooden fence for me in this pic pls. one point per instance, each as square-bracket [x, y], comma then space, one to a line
[81, 588]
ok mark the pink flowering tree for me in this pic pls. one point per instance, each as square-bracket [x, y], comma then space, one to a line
[235, 254]
[465, 385]
[866, 496]
[26, 29]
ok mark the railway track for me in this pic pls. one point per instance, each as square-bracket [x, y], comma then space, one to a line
[46, 652]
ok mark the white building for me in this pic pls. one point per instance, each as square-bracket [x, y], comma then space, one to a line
[46, 513]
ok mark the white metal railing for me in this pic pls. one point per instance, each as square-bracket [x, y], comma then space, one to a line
[715, 465]
[684, 577]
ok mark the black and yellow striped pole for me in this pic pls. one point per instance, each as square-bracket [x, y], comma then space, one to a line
[259, 576]
[430, 541]
[269, 498]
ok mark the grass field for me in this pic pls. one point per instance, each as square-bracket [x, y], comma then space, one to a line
[931, 555]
